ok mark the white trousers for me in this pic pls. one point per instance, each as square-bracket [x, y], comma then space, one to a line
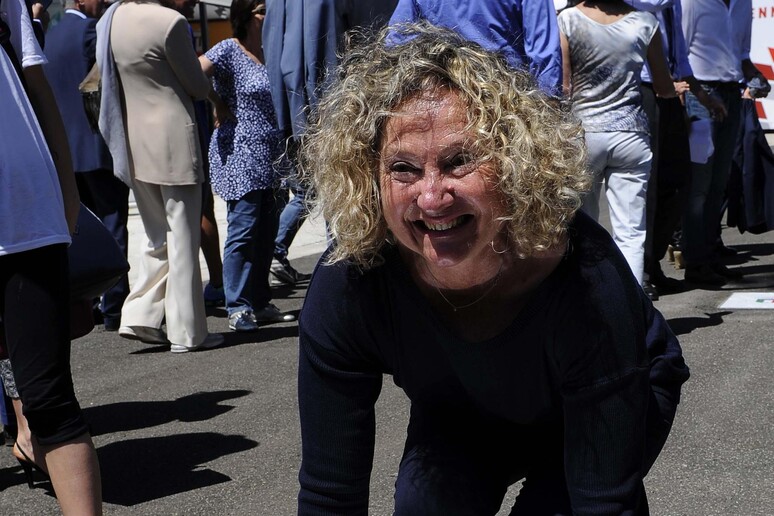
[169, 282]
[621, 161]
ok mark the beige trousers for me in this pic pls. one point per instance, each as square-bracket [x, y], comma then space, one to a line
[169, 281]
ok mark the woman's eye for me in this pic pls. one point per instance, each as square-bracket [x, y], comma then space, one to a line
[402, 171]
[460, 163]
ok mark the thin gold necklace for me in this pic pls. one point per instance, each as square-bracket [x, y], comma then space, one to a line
[482, 296]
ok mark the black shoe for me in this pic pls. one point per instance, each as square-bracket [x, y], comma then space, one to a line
[284, 273]
[650, 289]
[28, 466]
[665, 284]
[724, 271]
[144, 334]
[111, 323]
[725, 251]
[704, 275]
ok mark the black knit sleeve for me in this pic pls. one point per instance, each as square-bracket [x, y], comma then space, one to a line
[339, 381]
[605, 380]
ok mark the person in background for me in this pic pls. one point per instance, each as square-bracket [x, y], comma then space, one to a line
[604, 47]
[671, 164]
[71, 53]
[461, 266]
[301, 40]
[150, 76]
[39, 208]
[243, 150]
[717, 35]
[525, 32]
[210, 239]
[40, 19]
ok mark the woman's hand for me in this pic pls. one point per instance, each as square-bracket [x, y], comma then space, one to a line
[681, 87]
[222, 112]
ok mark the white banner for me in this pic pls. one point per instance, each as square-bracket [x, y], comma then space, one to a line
[762, 54]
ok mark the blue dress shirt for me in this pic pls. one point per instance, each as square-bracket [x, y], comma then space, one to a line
[525, 32]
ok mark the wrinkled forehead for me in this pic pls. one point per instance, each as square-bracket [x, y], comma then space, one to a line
[427, 111]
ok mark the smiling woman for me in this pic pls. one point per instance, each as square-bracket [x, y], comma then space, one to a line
[531, 140]
[460, 267]
[438, 200]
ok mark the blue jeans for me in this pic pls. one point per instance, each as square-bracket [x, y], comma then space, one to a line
[293, 215]
[704, 207]
[252, 224]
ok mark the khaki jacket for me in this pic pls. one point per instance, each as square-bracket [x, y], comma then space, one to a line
[160, 76]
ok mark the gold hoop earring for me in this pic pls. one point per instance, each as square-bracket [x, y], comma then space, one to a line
[495, 250]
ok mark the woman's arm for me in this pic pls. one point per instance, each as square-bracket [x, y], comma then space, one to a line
[47, 112]
[659, 69]
[620, 389]
[339, 381]
[605, 442]
[338, 428]
[566, 66]
[222, 111]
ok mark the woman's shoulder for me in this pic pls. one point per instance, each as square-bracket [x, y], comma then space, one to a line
[347, 276]
[221, 48]
[567, 14]
[645, 20]
[345, 290]
[346, 306]
[606, 324]
[605, 277]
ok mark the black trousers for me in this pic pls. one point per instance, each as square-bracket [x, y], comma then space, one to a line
[35, 311]
[669, 175]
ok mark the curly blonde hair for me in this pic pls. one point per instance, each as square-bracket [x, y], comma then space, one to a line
[534, 141]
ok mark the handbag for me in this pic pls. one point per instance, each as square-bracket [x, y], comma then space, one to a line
[91, 94]
[96, 260]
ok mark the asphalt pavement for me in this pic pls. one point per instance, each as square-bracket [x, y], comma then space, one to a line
[217, 432]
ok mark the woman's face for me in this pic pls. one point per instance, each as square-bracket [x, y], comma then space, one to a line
[438, 200]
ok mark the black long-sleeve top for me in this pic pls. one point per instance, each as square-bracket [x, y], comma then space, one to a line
[582, 361]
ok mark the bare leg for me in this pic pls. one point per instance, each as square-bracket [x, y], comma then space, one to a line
[75, 476]
[24, 440]
[210, 244]
[72, 465]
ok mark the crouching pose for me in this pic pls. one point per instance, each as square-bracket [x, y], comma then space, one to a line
[463, 268]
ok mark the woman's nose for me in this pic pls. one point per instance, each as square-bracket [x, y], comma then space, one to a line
[434, 194]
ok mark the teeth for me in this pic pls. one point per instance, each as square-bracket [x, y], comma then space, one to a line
[444, 226]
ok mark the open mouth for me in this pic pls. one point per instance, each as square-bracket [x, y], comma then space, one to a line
[443, 226]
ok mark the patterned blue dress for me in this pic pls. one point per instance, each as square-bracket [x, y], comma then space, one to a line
[243, 152]
[242, 155]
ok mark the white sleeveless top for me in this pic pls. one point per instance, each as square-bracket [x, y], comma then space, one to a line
[606, 63]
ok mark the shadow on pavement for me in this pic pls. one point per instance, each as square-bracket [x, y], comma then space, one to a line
[136, 471]
[289, 292]
[265, 334]
[133, 415]
[14, 476]
[685, 325]
[755, 249]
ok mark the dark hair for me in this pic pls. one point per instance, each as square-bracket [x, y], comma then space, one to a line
[241, 14]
